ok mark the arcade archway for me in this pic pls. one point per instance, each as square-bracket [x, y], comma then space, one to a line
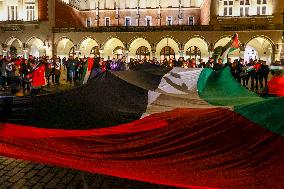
[65, 47]
[196, 48]
[142, 53]
[167, 48]
[14, 47]
[139, 49]
[36, 47]
[110, 47]
[167, 53]
[259, 48]
[193, 52]
[89, 47]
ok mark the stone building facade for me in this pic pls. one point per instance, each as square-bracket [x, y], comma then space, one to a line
[143, 28]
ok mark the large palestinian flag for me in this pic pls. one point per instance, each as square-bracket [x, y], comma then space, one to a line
[189, 128]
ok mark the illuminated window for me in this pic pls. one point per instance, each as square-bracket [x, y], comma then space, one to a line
[12, 12]
[127, 21]
[107, 21]
[191, 20]
[169, 20]
[228, 7]
[89, 22]
[262, 7]
[30, 12]
[148, 20]
[244, 7]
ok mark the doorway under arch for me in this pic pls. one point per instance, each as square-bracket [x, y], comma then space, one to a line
[167, 53]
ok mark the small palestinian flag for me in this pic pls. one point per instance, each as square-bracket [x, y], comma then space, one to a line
[87, 70]
[231, 46]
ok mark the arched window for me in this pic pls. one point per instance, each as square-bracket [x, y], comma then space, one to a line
[118, 52]
[167, 52]
[95, 51]
[193, 52]
[143, 52]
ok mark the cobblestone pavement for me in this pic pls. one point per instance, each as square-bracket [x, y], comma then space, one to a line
[20, 174]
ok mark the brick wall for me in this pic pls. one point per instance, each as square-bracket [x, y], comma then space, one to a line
[66, 16]
[43, 10]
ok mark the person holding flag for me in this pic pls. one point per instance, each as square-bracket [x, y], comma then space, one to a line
[37, 77]
[87, 70]
[223, 52]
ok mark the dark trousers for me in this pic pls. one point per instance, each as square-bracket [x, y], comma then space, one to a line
[261, 78]
[68, 75]
[3, 81]
[57, 79]
[26, 85]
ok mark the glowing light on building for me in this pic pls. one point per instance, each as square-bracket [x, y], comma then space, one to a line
[18, 10]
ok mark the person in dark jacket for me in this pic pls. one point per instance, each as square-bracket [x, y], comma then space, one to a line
[25, 70]
[219, 65]
[71, 67]
[263, 74]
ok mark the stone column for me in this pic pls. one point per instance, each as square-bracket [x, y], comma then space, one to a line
[26, 53]
[102, 53]
[126, 52]
[153, 52]
[211, 50]
[181, 52]
[77, 51]
[242, 51]
[276, 53]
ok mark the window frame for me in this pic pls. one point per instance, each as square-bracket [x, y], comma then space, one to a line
[125, 21]
[228, 7]
[167, 20]
[150, 19]
[245, 8]
[109, 22]
[261, 5]
[193, 20]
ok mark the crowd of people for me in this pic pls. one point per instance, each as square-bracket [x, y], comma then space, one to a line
[19, 74]
[255, 71]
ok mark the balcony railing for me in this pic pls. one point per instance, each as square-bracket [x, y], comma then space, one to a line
[16, 25]
[243, 27]
[18, 21]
